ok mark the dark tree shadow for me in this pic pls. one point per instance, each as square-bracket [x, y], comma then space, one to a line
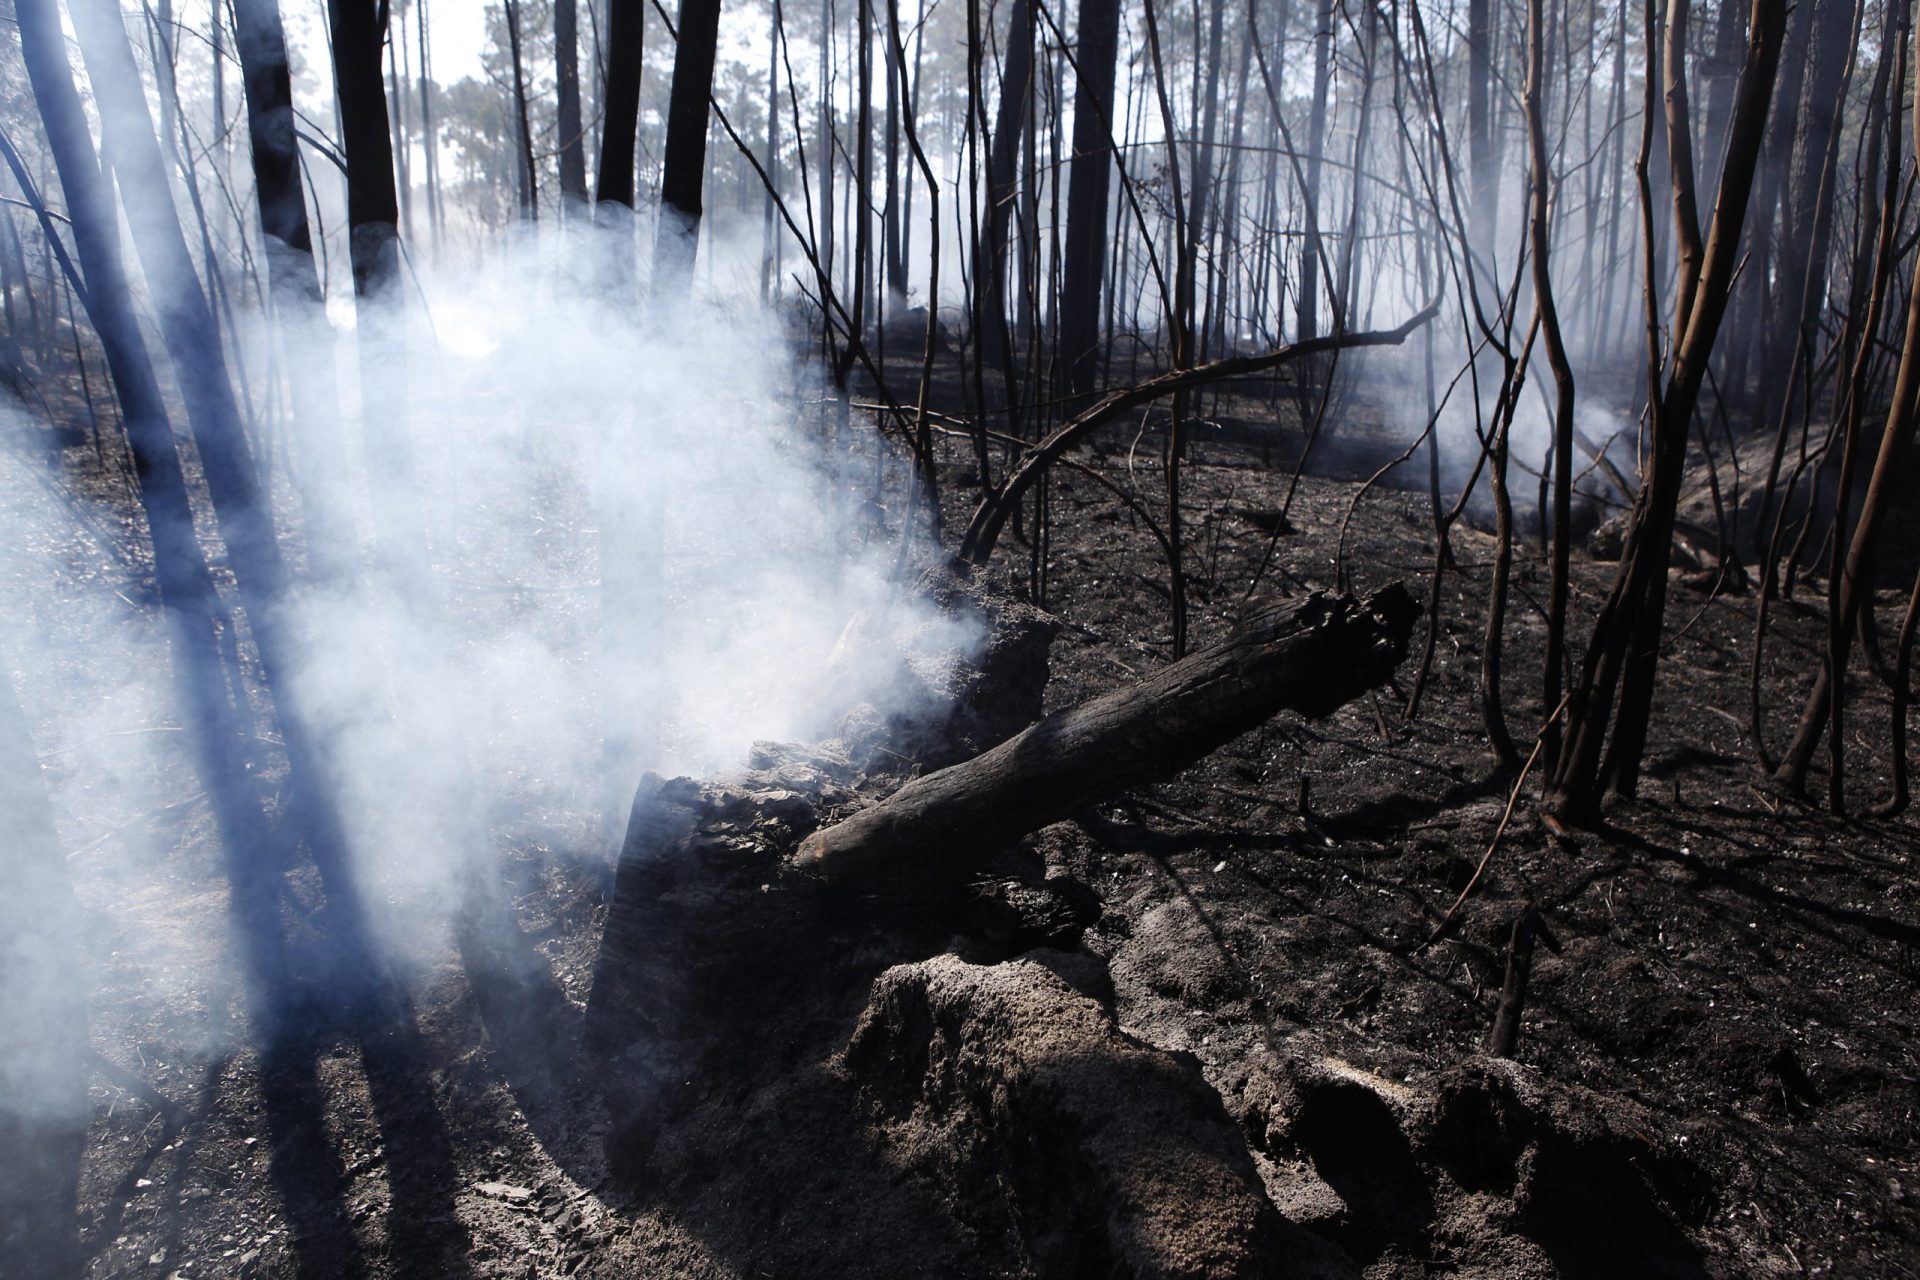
[39, 1193]
[305, 1169]
[1883, 927]
[532, 1029]
[327, 985]
[421, 1177]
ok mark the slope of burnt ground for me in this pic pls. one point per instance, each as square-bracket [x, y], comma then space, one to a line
[1716, 1072]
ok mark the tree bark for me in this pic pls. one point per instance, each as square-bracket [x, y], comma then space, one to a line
[1539, 229]
[373, 202]
[1002, 156]
[619, 133]
[678, 238]
[262, 47]
[529, 168]
[1855, 588]
[1483, 160]
[1896, 803]
[1804, 235]
[1311, 655]
[1089, 176]
[1311, 264]
[1623, 655]
[566, 56]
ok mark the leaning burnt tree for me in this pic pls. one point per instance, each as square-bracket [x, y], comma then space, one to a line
[204, 672]
[1614, 689]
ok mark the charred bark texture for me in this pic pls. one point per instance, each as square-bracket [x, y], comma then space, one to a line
[685, 167]
[1311, 655]
[1085, 258]
[620, 101]
[373, 201]
[566, 55]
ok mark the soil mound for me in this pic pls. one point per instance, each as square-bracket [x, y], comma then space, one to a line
[1040, 1122]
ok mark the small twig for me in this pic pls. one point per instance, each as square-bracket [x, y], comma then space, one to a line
[102, 838]
[117, 733]
[175, 1115]
[1513, 798]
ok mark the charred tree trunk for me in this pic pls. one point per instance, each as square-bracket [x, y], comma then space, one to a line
[573, 147]
[373, 202]
[1803, 238]
[703, 926]
[397, 112]
[294, 281]
[620, 103]
[1721, 71]
[1855, 588]
[1002, 157]
[1090, 174]
[1896, 803]
[262, 47]
[429, 135]
[1311, 655]
[678, 237]
[769, 232]
[1311, 253]
[1539, 229]
[529, 168]
[1623, 654]
[1483, 161]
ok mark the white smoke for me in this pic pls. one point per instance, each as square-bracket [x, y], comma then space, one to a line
[643, 541]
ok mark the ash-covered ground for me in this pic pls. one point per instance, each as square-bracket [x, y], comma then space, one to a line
[1716, 1074]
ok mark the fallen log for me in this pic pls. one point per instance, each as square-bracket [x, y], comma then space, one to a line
[1310, 655]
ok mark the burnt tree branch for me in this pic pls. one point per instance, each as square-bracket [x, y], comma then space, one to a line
[983, 531]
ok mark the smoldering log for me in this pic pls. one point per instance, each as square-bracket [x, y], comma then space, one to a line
[719, 931]
[1311, 655]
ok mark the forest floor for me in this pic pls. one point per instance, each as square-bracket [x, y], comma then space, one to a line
[1733, 1004]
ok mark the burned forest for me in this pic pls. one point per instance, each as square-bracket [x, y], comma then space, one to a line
[959, 638]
